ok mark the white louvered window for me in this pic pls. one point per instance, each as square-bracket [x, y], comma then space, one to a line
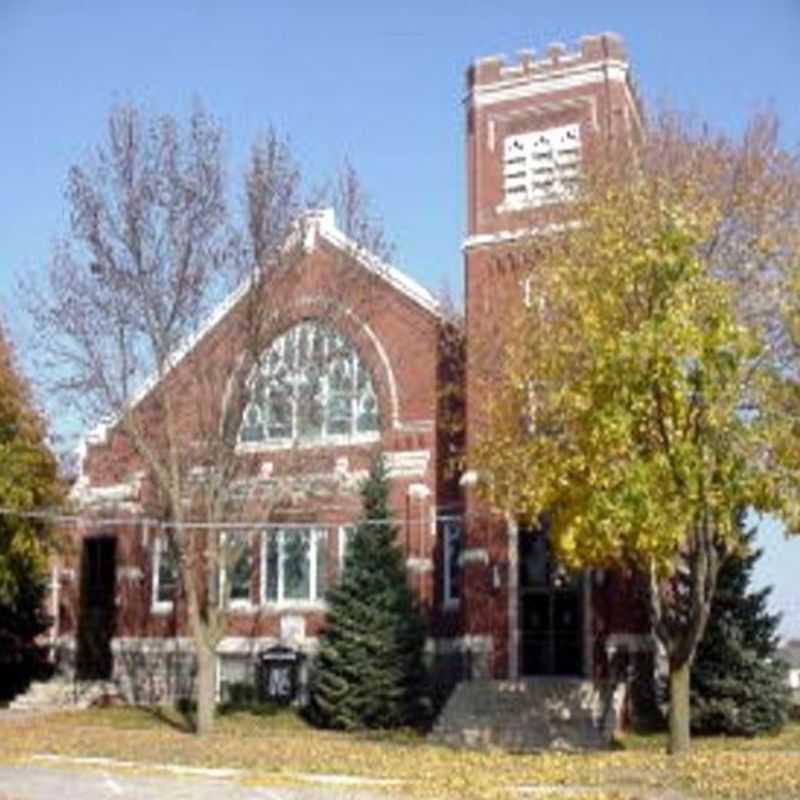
[541, 166]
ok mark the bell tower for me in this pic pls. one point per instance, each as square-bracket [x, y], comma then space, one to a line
[531, 124]
[531, 127]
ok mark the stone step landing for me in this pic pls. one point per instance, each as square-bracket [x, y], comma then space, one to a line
[530, 714]
[60, 693]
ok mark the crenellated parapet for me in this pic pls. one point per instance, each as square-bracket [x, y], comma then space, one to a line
[593, 51]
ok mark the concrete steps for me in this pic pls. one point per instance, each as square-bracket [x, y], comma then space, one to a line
[60, 693]
[530, 714]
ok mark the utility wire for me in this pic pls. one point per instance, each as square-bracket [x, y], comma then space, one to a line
[61, 518]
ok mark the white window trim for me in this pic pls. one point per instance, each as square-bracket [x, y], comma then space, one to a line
[448, 600]
[160, 543]
[318, 534]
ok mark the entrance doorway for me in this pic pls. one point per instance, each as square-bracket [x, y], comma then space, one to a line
[96, 621]
[551, 611]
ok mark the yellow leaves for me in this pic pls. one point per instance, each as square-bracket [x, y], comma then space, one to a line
[621, 414]
[276, 749]
[733, 775]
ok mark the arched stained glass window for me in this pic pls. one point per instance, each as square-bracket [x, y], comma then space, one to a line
[310, 385]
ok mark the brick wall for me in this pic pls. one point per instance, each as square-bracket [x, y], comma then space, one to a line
[398, 335]
[589, 87]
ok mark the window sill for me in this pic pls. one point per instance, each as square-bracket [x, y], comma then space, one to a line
[298, 606]
[555, 198]
[308, 444]
[242, 607]
[247, 609]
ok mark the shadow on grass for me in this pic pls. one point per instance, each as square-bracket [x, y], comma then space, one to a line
[179, 719]
[647, 733]
[264, 710]
[250, 718]
[402, 737]
[183, 716]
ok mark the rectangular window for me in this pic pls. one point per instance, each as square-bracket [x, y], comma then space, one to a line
[295, 564]
[240, 577]
[345, 537]
[451, 535]
[165, 574]
[321, 565]
[272, 565]
[236, 575]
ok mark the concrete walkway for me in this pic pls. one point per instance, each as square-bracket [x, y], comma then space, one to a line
[51, 780]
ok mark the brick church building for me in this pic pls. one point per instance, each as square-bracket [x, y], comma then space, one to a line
[498, 608]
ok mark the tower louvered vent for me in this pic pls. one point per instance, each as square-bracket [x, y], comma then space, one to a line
[541, 166]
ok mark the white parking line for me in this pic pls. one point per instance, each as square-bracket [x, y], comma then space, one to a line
[113, 785]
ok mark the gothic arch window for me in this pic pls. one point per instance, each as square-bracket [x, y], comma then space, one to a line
[311, 385]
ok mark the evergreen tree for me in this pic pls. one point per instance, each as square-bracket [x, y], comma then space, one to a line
[22, 620]
[738, 683]
[370, 671]
[28, 481]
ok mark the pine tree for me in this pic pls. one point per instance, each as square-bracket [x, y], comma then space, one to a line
[370, 672]
[738, 683]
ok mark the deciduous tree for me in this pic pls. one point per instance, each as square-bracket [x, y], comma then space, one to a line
[154, 248]
[637, 405]
[28, 482]
[28, 479]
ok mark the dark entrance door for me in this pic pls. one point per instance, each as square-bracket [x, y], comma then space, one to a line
[550, 611]
[96, 621]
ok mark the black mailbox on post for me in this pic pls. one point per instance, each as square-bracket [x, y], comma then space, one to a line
[280, 668]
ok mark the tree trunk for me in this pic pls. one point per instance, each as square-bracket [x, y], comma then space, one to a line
[679, 736]
[206, 687]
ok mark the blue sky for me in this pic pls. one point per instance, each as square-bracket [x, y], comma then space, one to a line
[380, 83]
